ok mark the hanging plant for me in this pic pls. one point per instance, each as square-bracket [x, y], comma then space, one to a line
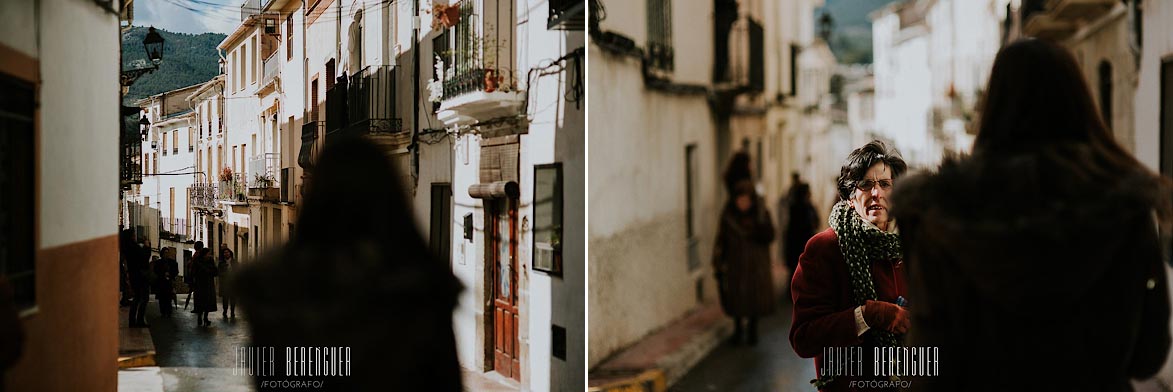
[445, 15]
[226, 174]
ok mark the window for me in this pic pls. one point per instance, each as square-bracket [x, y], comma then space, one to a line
[17, 163]
[330, 73]
[175, 141]
[235, 65]
[1105, 71]
[691, 192]
[155, 163]
[794, 49]
[163, 142]
[243, 159]
[314, 99]
[548, 218]
[289, 37]
[235, 169]
[190, 139]
[660, 53]
[253, 62]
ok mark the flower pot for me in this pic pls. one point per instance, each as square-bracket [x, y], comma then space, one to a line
[491, 80]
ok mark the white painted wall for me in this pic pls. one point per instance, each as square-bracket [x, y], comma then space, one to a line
[637, 175]
[78, 151]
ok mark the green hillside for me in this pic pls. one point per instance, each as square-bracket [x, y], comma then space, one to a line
[187, 59]
[851, 40]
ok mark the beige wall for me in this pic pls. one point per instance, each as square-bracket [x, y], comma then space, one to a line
[1107, 40]
[71, 337]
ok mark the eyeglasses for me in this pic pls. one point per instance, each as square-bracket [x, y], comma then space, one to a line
[867, 185]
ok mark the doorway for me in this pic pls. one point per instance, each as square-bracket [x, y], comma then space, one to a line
[501, 257]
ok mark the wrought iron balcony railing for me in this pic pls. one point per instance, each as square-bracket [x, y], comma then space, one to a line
[370, 104]
[309, 143]
[204, 196]
[483, 51]
[263, 169]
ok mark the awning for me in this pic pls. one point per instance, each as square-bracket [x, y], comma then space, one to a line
[495, 190]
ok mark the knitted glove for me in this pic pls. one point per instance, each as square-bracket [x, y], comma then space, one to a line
[886, 316]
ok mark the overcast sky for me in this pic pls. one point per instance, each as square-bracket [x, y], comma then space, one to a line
[188, 16]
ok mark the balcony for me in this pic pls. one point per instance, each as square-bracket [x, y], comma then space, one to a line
[232, 190]
[480, 83]
[1044, 25]
[1080, 9]
[204, 197]
[272, 70]
[309, 143]
[746, 70]
[566, 15]
[371, 107]
[249, 8]
[132, 159]
[263, 182]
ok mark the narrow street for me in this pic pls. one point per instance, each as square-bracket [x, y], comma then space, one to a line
[191, 358]
[771, 365]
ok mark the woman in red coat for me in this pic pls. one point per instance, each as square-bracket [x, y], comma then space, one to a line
[850, 279]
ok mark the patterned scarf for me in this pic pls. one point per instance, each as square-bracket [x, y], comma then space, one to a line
[861, 244]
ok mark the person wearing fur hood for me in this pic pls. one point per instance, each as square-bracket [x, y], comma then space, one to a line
[1035, 262]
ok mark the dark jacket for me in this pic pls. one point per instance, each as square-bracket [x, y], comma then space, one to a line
[226, 267]
[824, 312]
[394, 311]
[800, 227]
[1019, 258]
[203, 277]
[741, 259]
[165, 271]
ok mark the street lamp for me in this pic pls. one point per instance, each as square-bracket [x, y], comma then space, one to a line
[153, 43]
[144, 125]
[826, 24]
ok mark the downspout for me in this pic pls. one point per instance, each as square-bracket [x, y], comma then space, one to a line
[415, 94]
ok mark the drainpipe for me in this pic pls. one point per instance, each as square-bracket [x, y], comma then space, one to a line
[415, 94]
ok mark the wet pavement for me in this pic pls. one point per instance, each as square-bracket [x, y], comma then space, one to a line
[771, 365]
[190, 358]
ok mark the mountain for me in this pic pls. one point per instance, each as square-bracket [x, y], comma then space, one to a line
[851, 38]
[187, 59]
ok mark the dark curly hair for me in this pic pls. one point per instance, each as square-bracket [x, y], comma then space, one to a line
[862, 159]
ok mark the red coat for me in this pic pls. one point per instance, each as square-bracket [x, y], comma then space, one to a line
[823, 308]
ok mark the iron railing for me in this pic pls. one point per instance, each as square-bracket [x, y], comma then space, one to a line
[262, 170]
[747, 57]
[371, 102]
[482, 52]
[233, 189]
[271, 68]
[309, 143]
[204, 196]
[132, 159]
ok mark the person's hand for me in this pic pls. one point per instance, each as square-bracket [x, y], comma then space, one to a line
[886, 316]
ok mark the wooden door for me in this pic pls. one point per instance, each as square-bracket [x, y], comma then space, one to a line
[503, 241]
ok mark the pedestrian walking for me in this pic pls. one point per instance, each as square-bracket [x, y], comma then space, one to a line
[137, 256]
[802, 223]
[165, 270]
[330, 285]
[741, 255]
[1042, 245]
[203, 276]
[227, 266]
[850, 277]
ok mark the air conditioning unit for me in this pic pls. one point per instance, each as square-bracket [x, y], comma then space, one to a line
[271, 26]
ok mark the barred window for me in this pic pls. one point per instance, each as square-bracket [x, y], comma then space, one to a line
[660, 52]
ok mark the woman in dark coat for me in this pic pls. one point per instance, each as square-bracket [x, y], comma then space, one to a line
[741, 260]
[802, 223]
[203, 277]
[1041, 246]
[848, 289]
[227, 265]
[165, 270]
[357, 274]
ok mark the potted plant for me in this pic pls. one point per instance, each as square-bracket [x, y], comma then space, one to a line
[490, 46]
[226, 174]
